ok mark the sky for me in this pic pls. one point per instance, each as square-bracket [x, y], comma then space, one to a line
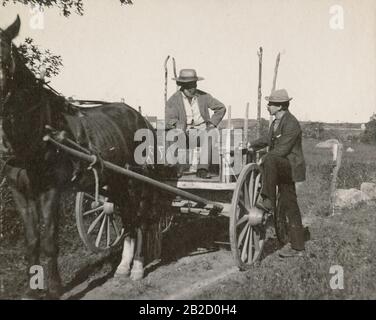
[328, 52]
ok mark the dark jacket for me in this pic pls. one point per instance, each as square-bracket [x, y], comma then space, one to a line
[176, 117]
[286, 141]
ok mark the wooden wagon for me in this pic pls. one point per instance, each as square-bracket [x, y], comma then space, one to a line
[100, 226]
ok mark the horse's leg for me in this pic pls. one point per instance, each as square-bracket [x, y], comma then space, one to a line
[124, 268]
[126, 205]
[137, 272]
[28, 210]
[49, 203]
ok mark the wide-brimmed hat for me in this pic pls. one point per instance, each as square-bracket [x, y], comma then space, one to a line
[280, 95]
[187, 75]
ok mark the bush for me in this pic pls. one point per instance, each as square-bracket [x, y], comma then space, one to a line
[352, 174]
[369, 134]
[313, 130]
[10, 220]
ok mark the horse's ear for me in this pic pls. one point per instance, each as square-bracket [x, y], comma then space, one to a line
[12, 31]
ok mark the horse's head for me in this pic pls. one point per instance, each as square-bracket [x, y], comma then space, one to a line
[7, 61]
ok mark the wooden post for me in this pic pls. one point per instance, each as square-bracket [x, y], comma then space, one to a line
[259, 53]
[175, 74]
[245, 129]
[229, 117]
[275, 81]
[226, 156]
[165, 84]
[276, 71]
[337, 158]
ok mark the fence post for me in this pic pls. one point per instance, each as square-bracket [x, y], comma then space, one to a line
[259, 53]
[245, 128]
[226, 157]
[274, 81]
[337, 158]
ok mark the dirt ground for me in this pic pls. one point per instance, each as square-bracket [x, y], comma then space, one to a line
[199, 265]
[346, 239]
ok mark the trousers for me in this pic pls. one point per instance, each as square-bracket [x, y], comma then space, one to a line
[276, 172]
[200, 137]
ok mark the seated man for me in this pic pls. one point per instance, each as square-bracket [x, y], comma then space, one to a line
[188, 109]
[282, 166]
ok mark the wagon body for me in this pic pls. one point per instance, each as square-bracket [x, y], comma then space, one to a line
[100, 229]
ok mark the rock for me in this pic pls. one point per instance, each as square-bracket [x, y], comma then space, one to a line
[327, 144]
[369, 190]
[344, 198]
[349, 149]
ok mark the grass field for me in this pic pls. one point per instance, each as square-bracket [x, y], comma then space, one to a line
[346, 238]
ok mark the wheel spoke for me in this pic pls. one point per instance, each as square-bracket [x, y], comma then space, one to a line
[256, 240]
[256, 187]
[242, 204]
[93, 210]
[251, 187]
[242, 234]
[94, 223]
[99, 236]
[242, 220]
[115, 227]
[89, 196]
[251, 246]
[246, 242]
[246, 195]
[108, 231]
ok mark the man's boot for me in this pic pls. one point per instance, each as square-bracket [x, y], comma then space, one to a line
[296, 246]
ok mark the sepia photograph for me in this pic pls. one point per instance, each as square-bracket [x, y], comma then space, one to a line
[175, 150]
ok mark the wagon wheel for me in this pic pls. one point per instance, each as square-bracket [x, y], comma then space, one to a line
[280, 222]
[247, 223]
[99, 224]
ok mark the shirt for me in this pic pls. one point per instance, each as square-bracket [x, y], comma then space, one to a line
[192, 111]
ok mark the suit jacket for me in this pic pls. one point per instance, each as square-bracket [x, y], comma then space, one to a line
[176, 117]
[286, 141]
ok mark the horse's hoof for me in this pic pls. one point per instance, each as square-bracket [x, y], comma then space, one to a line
[137, 272]
[137, 275]
[122, 272]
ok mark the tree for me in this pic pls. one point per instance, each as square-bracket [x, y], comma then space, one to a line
[369, 134]
[65, 6]
[37, 59]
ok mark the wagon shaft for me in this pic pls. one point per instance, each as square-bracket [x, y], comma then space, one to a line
[213, 207]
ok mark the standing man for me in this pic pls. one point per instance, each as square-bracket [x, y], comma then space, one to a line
[188, 110]
[282, 166]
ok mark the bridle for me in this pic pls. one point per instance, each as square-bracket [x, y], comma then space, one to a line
[6, 81]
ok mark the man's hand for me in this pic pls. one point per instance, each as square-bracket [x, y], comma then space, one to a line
[261, 160]
[210, 126]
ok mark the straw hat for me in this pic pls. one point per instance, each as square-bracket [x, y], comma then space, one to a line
[278, 96]
[187, 75]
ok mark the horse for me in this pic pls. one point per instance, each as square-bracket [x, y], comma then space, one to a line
[38, 173]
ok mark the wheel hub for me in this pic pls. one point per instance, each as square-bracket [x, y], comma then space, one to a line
[108, 207]
[255, 216]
